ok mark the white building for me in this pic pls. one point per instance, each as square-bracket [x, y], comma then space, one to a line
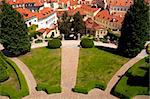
[46, 18]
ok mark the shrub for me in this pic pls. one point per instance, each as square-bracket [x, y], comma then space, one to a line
[100, 85]
[86, 43]
[148, 48]
[48, 89]
[54, 43]
[80, 90]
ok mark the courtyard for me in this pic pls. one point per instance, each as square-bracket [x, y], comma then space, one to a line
[59, 72]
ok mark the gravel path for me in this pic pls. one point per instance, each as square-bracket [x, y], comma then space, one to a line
[27, 74]
[141, 97]
[69, 66]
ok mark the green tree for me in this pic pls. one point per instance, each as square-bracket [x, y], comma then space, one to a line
[78, 23]
[135, 29]
[65, 24]
[13, 29]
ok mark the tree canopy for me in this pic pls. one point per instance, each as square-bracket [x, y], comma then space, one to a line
[78, 23]
[13, 35]
[135, 29]
[65, 24]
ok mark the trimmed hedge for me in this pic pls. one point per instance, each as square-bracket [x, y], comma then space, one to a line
[80, 90]
[48, 89]
[54, 43]
[87, 43]
[89, 86]
[125, 90]
[11, 92]
[3, 69]
[24, 91]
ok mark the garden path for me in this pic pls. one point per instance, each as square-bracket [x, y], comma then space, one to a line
[141, 97]
[31, 82]
[124, 69]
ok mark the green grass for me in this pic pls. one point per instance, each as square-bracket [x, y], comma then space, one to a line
[131, 83]
[96, 68]
[15, 87]
[44, 63]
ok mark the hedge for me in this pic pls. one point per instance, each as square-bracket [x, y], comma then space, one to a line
[3, 69]
[89, 86]
[24, 91]
[54, 43]
[48, 88]
[87, 43]
[12, 93]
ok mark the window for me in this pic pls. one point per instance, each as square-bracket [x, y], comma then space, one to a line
[29, 23]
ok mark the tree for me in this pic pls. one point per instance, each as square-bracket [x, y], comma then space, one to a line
[65, 24]
[135, 29]
[78, 23]
[13, 29]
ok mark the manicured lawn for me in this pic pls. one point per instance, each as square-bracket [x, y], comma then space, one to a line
[135, 82]
[96, 67]
[44, 63]
[15, 87]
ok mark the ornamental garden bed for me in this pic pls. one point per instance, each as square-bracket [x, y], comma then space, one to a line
[134, 82]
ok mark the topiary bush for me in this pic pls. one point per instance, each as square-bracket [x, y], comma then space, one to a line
[87, 43]
[54, 43]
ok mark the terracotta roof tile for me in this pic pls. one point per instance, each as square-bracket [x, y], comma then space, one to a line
[45, 12]
[36, 2]
[93, 25]
[26, 13]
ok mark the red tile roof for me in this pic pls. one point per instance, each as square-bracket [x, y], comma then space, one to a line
[93, 25]
[45, 12]
[120, 2]
[64, 1]
[104, 15]
[36, 2]
[26, 13]
[40, 15]
[73, 2]
[88, 8]
[47, 30]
